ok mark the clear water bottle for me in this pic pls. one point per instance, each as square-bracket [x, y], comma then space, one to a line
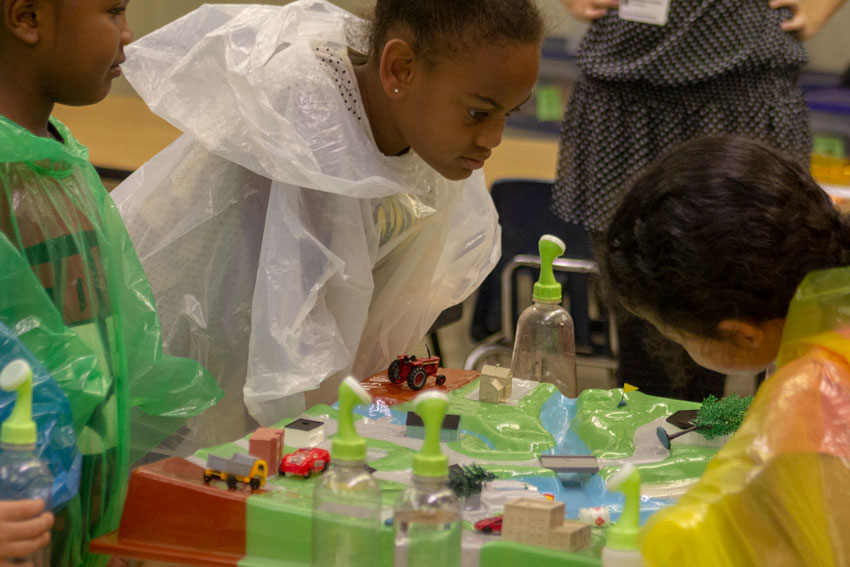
[23, 476]
[427, 517]
[622, 547]
[545, 344]
[346, 500]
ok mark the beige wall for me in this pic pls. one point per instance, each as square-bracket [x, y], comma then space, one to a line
[829, 51]
[147, 15]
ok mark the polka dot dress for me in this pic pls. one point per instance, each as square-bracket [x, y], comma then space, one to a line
[717, 66]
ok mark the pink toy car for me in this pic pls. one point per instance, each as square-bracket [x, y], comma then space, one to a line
[305, 462]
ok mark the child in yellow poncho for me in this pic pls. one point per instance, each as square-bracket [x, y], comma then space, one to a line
[711, 244]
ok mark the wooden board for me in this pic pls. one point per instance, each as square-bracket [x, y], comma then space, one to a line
[380, 387]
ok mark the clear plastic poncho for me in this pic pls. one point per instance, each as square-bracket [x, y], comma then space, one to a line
[778, 493]
[73, 292]
[283, 248]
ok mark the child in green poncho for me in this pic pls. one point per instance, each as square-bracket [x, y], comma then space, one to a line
[71, 287]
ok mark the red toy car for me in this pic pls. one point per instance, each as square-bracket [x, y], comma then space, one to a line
[305, 462]
[415, 370]
[490, 525]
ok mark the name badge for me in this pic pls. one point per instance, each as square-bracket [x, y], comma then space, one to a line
[645, 11]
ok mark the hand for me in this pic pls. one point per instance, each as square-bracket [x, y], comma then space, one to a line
[807, 16]
[24, 527]
[589, 10]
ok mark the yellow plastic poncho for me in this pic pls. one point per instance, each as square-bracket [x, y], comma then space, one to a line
[73, 292]
[778, 493]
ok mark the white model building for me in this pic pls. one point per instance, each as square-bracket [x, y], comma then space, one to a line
[495, 384]
[303, 433]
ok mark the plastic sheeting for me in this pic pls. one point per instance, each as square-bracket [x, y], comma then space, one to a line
[777, 494]
[283, 248]
[73, 292]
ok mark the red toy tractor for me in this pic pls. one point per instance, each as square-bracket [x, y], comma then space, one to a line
[415, 370]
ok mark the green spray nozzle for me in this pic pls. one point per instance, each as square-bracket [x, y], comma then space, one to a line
[347, 445]
[19, 428]
[430, 460]
[547, 288]
[624, 534]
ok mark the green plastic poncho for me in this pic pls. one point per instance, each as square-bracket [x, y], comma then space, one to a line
[73, 291]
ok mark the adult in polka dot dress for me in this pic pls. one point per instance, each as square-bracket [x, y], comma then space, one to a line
[716, 66]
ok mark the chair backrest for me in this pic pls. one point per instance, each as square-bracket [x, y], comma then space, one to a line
[525, 215]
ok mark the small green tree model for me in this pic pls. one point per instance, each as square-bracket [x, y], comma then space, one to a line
[721, 417]
[466, 481]
[714, 419]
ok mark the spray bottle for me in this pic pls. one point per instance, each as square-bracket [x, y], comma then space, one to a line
[621, 547]
[545, 344]
[346, 499]
[427, 518]
[23, 476]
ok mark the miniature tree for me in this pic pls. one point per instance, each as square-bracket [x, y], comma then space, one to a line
[723, 416]
[466, 481]
[714, 419]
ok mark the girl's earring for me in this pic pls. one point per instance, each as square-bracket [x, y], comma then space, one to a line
[395, 90]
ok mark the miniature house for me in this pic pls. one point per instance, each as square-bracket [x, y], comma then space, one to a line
[266, 443]
[303, 433]
[529, 520]
[570, 536]
[495, 383]
[448, 431]
[541, 522]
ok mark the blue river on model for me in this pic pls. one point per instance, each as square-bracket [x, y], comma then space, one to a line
[575, 491]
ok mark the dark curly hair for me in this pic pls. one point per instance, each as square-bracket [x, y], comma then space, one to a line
[448, 27]
[720, 227]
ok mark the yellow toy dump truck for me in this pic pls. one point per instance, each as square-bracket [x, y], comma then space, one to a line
[241, 468]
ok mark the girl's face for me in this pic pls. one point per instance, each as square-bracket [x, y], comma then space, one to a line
[84, 48]
[456, 111]
[742, 347]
